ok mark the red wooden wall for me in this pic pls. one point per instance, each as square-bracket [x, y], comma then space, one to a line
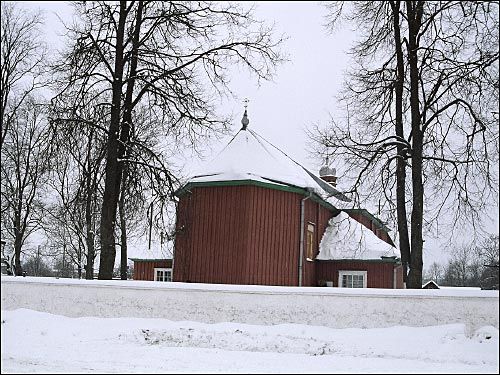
[144, 270]
[244, 235]
[318, 215]
[249, 234]
[379, 274]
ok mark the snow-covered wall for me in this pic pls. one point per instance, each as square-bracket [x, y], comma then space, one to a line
[268, 305]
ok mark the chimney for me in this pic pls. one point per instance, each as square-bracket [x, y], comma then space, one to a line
[328, 174]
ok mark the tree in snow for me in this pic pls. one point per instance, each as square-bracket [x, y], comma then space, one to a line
[422, 116]
[171, 57]
[434, 272]
[463, 269]
[474, 264]
[488, 251]
[21, 139]
[78, 146]
[22, 57]
[25, 162]
[36, 265]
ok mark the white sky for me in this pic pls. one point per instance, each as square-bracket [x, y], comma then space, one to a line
[303, 91]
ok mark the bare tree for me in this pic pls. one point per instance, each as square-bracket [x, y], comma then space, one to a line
[435, 272]
[22, 57]
[37, 265]
[474, 264]
[157, 53]
[488, 251]
[420, 104]
[460, 270]
[24, 168]
[78, 145]
[146, 208]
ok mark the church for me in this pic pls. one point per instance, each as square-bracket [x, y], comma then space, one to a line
[254, 216]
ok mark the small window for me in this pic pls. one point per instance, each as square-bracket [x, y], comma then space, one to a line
[352, 279]
[309, 241]
[163, 274]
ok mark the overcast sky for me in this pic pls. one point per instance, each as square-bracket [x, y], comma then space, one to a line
[303, 90]
[302, 94]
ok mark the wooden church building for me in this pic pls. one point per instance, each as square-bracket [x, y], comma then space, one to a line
[254, 216]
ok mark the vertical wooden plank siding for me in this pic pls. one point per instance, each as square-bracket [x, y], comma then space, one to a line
[251, 235]
[399, 277]
[379, 274]
[253, 240]
[309, 218]
[238, 235]
[318, 215]
[144, 269]
[183, 209]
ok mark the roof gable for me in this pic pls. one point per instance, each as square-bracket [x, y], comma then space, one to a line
[248, 156]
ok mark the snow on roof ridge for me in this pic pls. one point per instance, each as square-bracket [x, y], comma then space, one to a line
[246, 159]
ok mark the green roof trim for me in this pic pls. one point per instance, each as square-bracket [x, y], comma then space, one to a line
[288, 188]
[366, 213]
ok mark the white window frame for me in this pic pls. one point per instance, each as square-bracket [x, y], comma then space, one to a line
[353, 273]
[164, 274]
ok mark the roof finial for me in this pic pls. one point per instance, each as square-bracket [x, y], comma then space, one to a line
[245, 120]
[326, 172]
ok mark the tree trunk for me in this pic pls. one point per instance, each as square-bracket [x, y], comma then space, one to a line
[123, 227]
[18, 241]
[63, 271]
[113, 167]
[89, 268]
[79, 267]
[404, 242]
[414, 12]
[125, 137]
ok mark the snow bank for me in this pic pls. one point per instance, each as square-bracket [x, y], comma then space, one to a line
[209, 303]
[38, 342]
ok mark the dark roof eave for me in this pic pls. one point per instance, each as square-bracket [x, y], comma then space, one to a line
[149, 260]
[381, 260]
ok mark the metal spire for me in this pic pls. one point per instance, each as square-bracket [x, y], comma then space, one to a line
[244, 120]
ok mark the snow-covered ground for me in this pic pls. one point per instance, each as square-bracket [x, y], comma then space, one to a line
[82, 326]
[37, 342]
[253, 304]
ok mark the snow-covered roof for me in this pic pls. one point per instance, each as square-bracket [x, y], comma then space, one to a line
[429, 284]
[248, 156]
[345, 238]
